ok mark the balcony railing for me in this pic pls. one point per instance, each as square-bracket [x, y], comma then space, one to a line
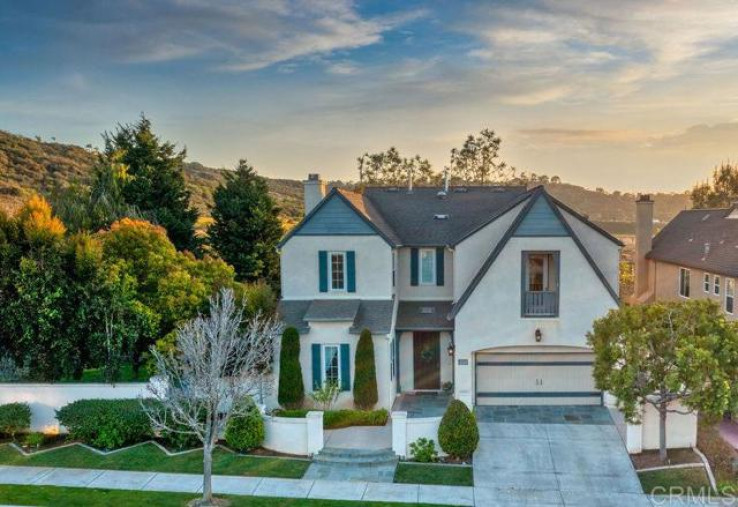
[540, 303]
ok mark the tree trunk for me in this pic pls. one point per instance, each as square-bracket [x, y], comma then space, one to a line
[207, 473]
[662, 432]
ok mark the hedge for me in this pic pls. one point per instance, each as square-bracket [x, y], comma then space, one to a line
[365, 376]
[15, 418]
[291, 390]
[245, 432]
[106, 424]
[335, 419]
[458, 434]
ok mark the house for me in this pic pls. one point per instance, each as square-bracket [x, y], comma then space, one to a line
[486, 291]
[695, 256]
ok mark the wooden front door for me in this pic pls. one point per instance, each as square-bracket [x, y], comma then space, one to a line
[427, 360]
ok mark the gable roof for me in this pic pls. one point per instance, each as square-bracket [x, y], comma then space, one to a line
[701, 239]
[539, 193]
[375, 315]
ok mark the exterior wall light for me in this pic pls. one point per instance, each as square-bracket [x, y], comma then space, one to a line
[539, 335]
[450, 349]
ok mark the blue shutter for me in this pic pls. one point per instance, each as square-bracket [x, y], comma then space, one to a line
[345, 368]
[351, 270]
[323, 270]
[439, 266]
[413, 267]
[317, 368]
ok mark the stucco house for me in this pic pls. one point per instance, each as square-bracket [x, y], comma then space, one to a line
[486, 291]
[695, 256]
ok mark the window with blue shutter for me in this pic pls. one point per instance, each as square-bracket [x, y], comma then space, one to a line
[414, 267]
[351, 270]
[439, 266]
[345, 368]
[323, 270]
[317, 366]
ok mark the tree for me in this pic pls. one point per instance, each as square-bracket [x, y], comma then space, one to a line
[365, 376]
[291, 390]
[721, 192]
[478, 160]
[678, 357]
[153, 181]
[217, 366]
[246, 226]
[392, 169]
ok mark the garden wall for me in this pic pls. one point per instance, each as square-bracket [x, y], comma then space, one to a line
[45, 399]
[301, 436]
[406, 430]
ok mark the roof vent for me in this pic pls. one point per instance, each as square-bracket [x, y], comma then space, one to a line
[498, 189]
[461, 190]
[441, 194]
[707, 250]
[427, 309]
[391, 189]
[440, 217]
[706, 217]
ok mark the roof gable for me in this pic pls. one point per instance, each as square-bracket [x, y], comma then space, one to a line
[540, 220]
[335, 217]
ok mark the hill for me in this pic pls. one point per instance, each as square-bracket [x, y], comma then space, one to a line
[32, 165]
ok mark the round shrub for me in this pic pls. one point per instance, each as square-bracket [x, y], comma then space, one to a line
[15, 418]
[365, 377]
[291, 390]
[458, 434]
[106, 424]
[246, 431]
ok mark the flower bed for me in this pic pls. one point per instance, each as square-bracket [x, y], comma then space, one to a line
[335, 419]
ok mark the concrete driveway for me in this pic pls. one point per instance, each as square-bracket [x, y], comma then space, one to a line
[543, 463]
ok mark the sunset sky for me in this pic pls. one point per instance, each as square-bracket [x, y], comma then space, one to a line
[621, 95]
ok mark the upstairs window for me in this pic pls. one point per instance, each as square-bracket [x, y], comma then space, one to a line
[684, 282]
[338, 270]
[427, 266]
[729, 295]
[716, 285]
[540, 284]
[706, 282]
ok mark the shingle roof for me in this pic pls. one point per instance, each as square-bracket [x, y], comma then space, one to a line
[373, 315]
[702, 239]
[424, 316]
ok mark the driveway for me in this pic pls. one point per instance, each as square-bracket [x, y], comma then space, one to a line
[579, 459]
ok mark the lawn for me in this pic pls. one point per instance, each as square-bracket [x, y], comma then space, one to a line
[675, 479]
[434, 474]
[68, 497]
[148, 457]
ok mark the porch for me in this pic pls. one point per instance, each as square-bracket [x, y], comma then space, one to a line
[419, 405]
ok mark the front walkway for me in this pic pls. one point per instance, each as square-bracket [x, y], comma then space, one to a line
[359, 437]
[422, 404]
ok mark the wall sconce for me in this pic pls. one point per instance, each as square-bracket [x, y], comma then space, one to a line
[539, 335]
[450, 349]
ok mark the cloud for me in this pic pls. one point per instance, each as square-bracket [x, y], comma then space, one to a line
[699, 136]
[580, 136]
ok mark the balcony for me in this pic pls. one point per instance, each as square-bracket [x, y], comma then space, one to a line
[540, 303]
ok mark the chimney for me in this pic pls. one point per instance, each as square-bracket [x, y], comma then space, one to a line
[314, 191]
[643, 240]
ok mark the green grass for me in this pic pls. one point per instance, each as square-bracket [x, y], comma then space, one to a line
[434, 474]
[148, 457]
[68, 497]
[335, 419]
[661, 481]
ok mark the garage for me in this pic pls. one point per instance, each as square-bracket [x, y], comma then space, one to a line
[535, 379]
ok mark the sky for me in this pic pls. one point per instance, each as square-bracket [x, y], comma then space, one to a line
[627, 95]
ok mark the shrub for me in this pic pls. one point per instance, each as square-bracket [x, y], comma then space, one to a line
[245, 432]
[179, 441]
[335, 419]
[34, 440]
[327, 395]
[291, 390]
[365, 376]
[424, 450]
[107, 424]
[458, 434]
[14, 418]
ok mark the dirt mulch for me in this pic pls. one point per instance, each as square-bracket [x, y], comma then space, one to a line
[650, 459]
[719, 453]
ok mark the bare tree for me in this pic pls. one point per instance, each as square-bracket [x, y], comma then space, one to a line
[219, 362]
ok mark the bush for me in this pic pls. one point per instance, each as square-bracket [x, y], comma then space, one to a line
[335, 419]
[15, 418]
[245, 432]
[424, 450]
[179, 441]
[365, 377]
[458, 434]
[291, 390]
[106, 424]
[35, 440]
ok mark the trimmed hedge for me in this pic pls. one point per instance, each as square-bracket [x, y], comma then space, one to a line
[291, 389]
[335, 419]
[246, 432]
[106, 424]
[458, 434]
[365, 377]
[15, 418]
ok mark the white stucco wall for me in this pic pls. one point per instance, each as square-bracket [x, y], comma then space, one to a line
[300, 273]
[604, 252]
[299, 436]
[406, 430]
[407, 291]
[407, 378]
[491, 316]
[45, 399]
[471, 253]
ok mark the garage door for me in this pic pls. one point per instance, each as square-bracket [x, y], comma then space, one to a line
[535, 379]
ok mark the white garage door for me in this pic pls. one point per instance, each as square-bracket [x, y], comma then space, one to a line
[535, 379]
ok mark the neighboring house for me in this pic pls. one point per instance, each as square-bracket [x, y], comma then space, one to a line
[695, 256]
[488, 291]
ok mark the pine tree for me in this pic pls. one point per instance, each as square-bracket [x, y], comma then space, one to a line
[365, 377]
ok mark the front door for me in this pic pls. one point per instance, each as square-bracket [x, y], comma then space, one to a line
[427, 360]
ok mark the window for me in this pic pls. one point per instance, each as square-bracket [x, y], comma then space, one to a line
[729, 294]
[716, 285]
[541, 273]
[331, 364]
[540, 284]
[427, 266]
[706, 282]
[684, 282]
[338, 270]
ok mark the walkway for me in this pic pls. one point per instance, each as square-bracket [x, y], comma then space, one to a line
[422, 404]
